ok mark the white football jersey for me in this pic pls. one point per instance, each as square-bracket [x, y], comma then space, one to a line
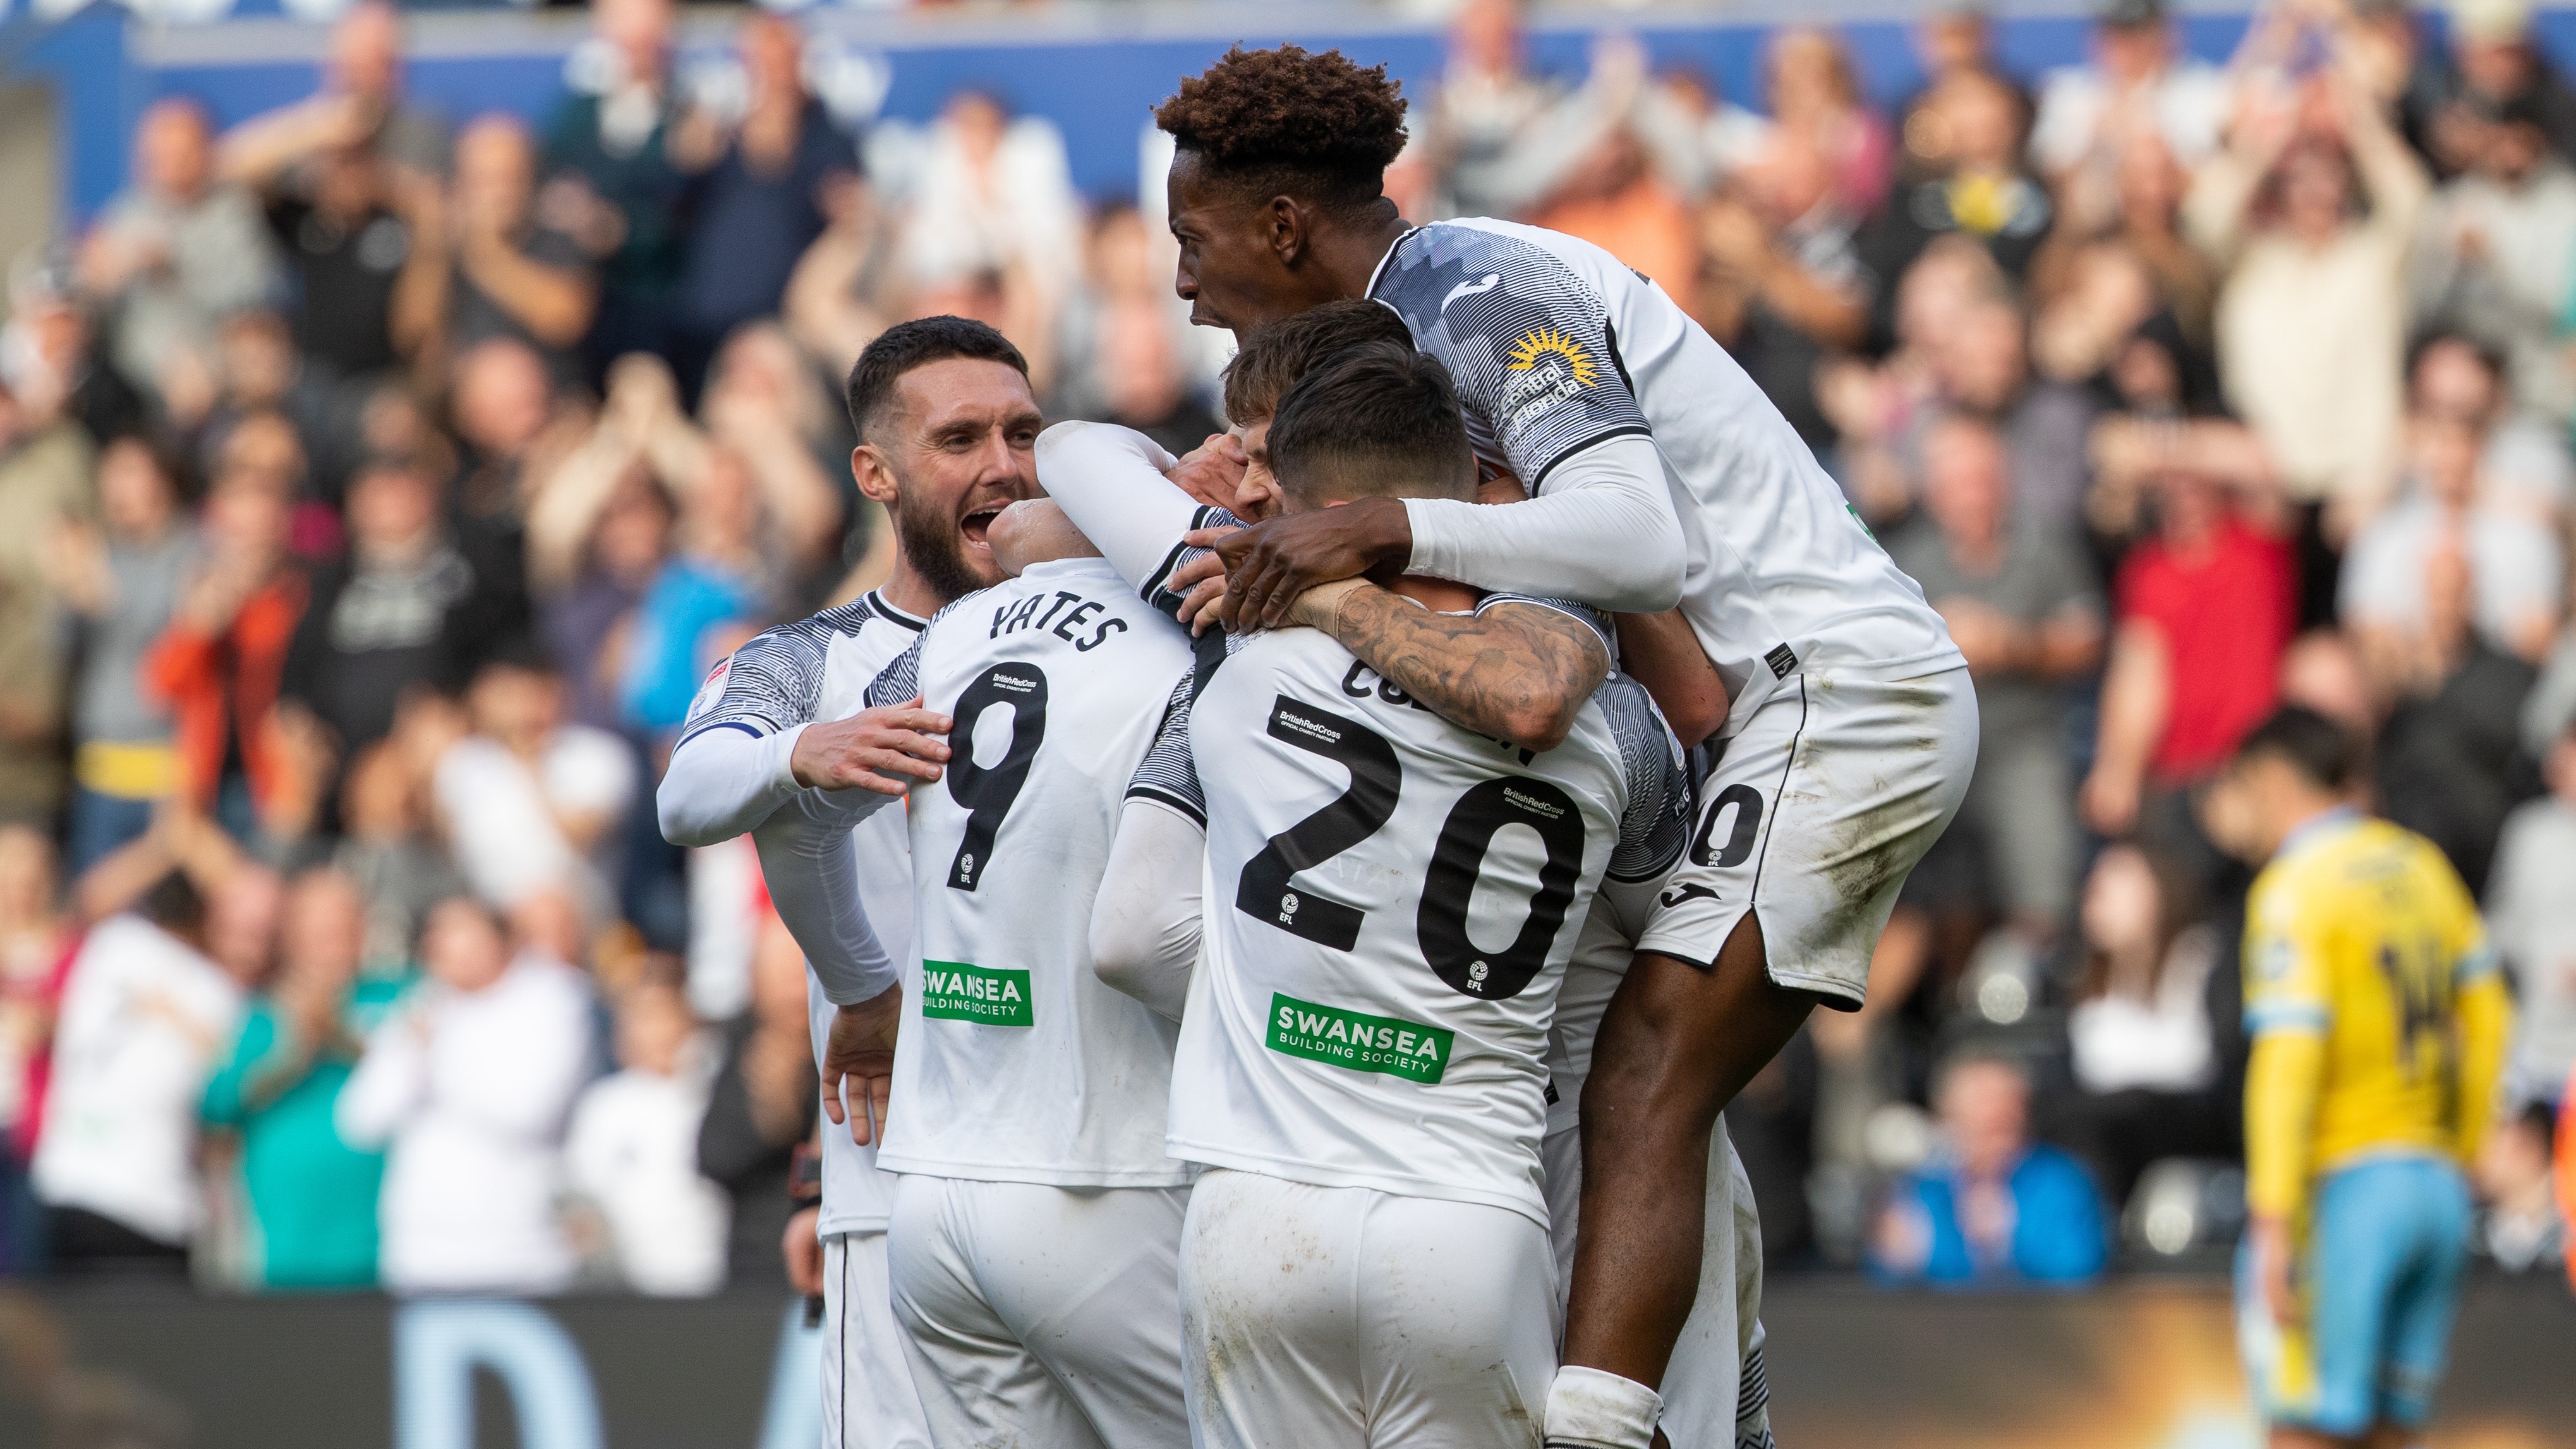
[1556, 346]
[819, 669]
[1015, 1063]
[1391, 903]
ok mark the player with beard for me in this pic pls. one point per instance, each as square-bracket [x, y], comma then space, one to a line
[1661, 475]
[946, 423]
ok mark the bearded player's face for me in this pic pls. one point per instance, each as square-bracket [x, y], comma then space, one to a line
[958, 447]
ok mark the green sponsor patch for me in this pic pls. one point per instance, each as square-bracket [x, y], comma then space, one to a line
[959, 991]
[1356, 1040]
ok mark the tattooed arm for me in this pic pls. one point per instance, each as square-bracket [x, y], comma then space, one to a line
[1517, 669]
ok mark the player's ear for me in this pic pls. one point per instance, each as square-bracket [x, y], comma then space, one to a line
[1286, 224]
[870, 469]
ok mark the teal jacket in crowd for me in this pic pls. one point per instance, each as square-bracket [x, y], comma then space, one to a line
[312, 1197]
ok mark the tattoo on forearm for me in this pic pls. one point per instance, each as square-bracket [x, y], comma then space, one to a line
[1494, 673]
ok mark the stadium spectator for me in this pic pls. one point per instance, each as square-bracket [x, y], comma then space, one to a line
[360, 99]
[2311, 220]
[2447, 768]
[2531, 918]
[762, 185]
[1784, 285]
[1468, 143]
[220, 663]
[993, 211]
[764, 1101]
[1983, 191]
[2146, 1046]
[1992, 1207]
[2524, 466]
[148, 1005]
[311, 1197]
[34, 939]
[611, 182]
[2520, 1228]
[2495, 257]
[502, 267]
[533, 803]
[45, 480]
[341, 215]
[2495, 61]
[177, 253]
[465, 1088]
[2021, 603]
[2137, 84]
[121, 580]
[2516, 571]
[2201, 611]
[406, 612]
[632, 1153]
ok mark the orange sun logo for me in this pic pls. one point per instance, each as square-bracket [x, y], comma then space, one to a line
[1526, 353]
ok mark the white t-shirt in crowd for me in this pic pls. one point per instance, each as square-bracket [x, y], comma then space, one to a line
[633, 1152]
[468, 1092]
[2516, 570]
[501, 811]
[144, 1018]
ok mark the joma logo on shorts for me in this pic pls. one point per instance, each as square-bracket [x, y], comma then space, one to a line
[958, 991]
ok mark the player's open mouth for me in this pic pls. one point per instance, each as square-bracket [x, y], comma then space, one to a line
[976, 524]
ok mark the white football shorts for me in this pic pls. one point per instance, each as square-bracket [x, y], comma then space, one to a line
[868, 1398]
[1812, 818]
[1345, 1318]
[1038, 1315]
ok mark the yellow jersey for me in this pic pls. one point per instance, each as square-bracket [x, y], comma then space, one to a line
[2378, 1015]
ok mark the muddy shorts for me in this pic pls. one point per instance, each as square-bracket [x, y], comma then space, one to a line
[1036, 1315]
[1810, 819]
[1343, 1317]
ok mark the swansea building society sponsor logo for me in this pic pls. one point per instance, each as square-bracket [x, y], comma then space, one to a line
[959, 991]
[1363, 1043]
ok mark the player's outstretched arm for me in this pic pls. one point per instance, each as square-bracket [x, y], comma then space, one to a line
[1513, 671]
[1110, 482]
[1145, 924]
[1603, 532]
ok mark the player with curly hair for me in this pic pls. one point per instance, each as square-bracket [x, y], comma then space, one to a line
[1660, 473]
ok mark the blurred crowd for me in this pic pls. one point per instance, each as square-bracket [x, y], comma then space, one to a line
[376, 486]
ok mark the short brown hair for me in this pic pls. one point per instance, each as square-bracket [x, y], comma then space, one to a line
[1378, 421]
[1276, 354]
[1291, 118]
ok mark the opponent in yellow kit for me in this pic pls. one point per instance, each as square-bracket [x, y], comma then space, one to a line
[2379, 1023]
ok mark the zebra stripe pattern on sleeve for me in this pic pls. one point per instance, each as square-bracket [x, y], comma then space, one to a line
[1656, 825]
[1168, 775]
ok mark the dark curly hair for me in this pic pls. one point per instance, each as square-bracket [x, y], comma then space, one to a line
[1291, 118]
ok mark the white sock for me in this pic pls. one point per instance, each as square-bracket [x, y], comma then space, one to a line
[1588, 1408]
